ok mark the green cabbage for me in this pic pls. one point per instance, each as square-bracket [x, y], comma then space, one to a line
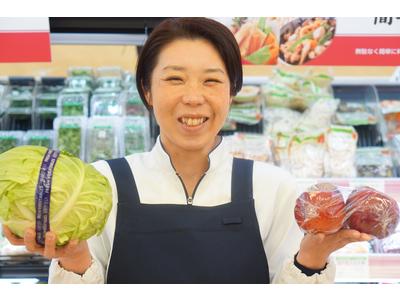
[80, 202]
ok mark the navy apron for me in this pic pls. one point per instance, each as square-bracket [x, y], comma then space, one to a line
[170, 243]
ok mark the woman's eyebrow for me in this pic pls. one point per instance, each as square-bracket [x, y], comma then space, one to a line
[180, 68]
[174, 67]
[213, 70]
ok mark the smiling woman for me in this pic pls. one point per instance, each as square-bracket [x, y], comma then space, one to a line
[187, 211]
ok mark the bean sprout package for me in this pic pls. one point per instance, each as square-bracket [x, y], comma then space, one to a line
[327, 208]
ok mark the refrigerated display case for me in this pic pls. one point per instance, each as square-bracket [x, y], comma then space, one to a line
[361, 97]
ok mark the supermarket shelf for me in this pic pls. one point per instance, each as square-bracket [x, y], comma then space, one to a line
[97, 39]
[24, 267]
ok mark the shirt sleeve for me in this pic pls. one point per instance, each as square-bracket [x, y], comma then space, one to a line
[275, 194]
[99, 246]
[57, 274]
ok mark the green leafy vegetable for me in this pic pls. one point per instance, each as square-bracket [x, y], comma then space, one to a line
[69, 139]
[260, 56]
[7, 143]
[299, 41]
[80, 201]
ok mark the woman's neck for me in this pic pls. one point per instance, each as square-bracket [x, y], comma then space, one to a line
[189, 164]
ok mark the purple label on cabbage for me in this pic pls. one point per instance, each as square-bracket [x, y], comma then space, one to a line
[42, 195]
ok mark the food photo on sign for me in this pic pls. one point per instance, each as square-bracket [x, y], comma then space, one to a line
[258, 39]
[304, 39]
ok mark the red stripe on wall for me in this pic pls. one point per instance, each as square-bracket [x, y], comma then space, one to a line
[25, 47]
[348, 51]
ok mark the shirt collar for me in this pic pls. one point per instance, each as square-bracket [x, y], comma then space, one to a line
[216, 156]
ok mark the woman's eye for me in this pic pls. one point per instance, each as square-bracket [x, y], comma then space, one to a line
[213, 81]
[174, 79]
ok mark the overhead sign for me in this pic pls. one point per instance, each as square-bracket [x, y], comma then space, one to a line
[331, 41]
[24, 40]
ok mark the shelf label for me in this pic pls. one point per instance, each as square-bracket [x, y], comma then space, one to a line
[352, 266]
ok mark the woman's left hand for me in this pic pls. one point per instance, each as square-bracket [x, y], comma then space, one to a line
[316, 248]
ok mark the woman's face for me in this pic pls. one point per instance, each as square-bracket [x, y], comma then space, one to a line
[190, 94]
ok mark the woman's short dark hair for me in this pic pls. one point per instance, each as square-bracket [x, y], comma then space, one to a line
[172, 29]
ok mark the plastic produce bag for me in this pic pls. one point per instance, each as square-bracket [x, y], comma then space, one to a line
[10, 139]
[42, 138]
[251, 146]
[108, 104]
[102, 142]
[306, 154]
[280, 119]
[70, 135]
[248, 93]
[374, 162]
[319, 115]
[74, 104]
[391, 111]
[327, 208]
[136, 135]
[246, 113]
[341, 143]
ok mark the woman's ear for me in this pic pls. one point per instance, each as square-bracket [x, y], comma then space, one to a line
[149, 101]
[147, 95]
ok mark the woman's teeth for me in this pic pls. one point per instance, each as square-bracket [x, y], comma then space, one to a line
[193, 121]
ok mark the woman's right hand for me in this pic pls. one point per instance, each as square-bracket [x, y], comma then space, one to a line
[74, 256]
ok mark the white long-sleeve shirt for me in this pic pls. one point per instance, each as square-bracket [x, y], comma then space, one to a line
[274, 192]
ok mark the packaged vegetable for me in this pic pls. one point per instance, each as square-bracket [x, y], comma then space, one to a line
[281, 143]
[292, 90]
[374, 162]
[280, 119]
[10, 139]
[42, 138]
[133, 104]
[70, 135]
[248, 93]
[319, 115]
[45, 117]
[80, 71]
[79, 84]
[136, 135]
[47, 93]
[20, 100]
[320, 209]
[102, 141]
[108, 85]
[48, 190]
[323, 208]
[341, 145]
[48, 100]
[129, 80]
[73, 105]
[108, 104]
[306, 154]
[355, 114]
[246, 113]
[391, 112]
[372, 212]
[251, 146]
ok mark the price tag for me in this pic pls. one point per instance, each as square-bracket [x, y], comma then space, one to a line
[352, 266]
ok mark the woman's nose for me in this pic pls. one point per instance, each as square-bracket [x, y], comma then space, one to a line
[193, 95]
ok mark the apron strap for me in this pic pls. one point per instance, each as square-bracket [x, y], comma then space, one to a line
[242, 180]
[125, 181]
